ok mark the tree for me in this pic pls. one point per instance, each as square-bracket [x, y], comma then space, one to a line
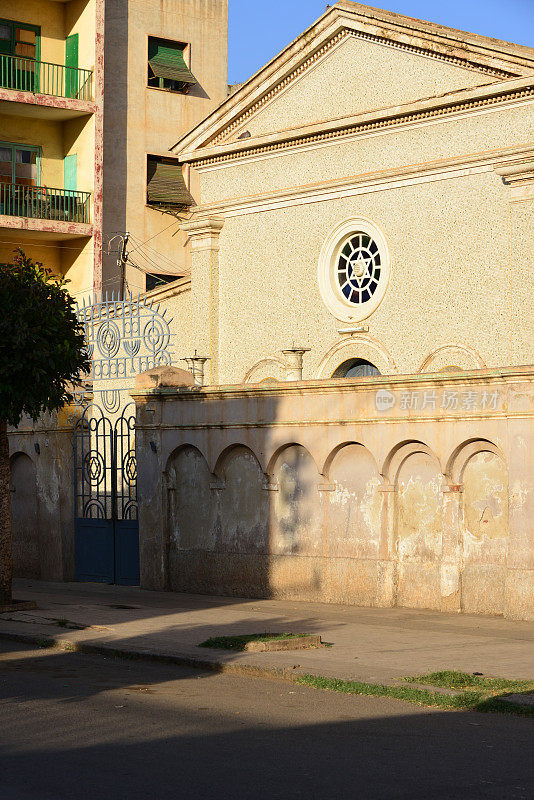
[42, 355]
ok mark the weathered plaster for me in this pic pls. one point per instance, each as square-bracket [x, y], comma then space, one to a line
[315, 490]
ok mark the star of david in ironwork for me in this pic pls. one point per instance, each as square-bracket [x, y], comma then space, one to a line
[130, 469]
[359, 266]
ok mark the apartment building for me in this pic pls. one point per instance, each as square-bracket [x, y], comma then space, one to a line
[77, 173]
[165, 70]
[51, 116]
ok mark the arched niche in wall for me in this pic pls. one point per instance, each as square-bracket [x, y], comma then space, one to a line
[353, 350]
[244, 506]
[24, 517]
[452, 358]
[418, 526]
[296, 521]
[354, 505]
[191, 517]
[483, 475]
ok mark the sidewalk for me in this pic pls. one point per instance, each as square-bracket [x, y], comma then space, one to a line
[378, 645]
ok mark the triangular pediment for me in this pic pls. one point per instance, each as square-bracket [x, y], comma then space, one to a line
[354, 60]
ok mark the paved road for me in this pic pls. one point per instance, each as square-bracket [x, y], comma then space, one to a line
[76, 726]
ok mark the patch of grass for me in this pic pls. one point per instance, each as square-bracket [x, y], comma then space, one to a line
[62, 622]
[239, 642]
[463, 681]
[469, 700]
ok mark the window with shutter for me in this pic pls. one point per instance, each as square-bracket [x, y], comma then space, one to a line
[167, 67]
[165, 184]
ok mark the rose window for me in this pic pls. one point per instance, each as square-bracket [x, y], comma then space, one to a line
[358, 268]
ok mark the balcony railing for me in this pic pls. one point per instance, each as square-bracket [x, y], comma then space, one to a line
[42, 77]
[41, 202]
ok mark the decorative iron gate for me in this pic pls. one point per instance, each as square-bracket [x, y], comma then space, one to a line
[106, 528]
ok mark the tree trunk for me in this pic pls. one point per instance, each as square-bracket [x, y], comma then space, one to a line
[6, 545]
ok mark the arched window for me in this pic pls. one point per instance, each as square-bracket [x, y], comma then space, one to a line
[356, 368]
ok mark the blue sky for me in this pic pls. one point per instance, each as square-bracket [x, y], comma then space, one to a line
[259, 29]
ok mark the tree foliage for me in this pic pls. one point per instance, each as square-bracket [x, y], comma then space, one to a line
[42, 346]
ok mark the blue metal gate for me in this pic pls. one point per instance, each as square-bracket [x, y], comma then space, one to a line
[106, 527]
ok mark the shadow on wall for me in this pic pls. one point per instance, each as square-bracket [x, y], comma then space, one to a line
[228, 530]
[350, 530]
[115, 163]
[42, 497]
[24, 517]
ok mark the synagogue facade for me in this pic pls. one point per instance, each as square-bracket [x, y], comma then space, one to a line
[367, 197]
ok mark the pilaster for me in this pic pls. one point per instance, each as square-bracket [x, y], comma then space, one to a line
[518, 176]
[203, 236]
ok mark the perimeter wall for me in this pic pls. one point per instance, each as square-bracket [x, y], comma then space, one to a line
[415, 491]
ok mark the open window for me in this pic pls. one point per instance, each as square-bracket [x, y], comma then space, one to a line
[19, 39]
[165, 184]
[19, 53]
[157, 281]
[167, 67]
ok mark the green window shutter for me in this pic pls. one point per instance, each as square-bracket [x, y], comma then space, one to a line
[166, 60]
[71, 64]
[70, 172]
[165, 184]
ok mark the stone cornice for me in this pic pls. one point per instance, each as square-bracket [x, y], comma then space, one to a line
[180, 285]
[375, 181]
[517, 172]
[453, 103]
[498, 375]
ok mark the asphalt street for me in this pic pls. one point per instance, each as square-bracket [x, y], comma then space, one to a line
[77, 726]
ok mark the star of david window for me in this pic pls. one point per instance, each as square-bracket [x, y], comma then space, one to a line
[358, 268]
[353, 270]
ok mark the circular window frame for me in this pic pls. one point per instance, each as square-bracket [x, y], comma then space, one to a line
[329, 287]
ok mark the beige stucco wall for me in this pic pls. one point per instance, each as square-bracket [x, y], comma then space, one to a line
[178, 303]
[80, 18]
[79, 138]
[316, 491]
[77, 257]
[72, 258]
[477, 132]
[48, 252]
[141, 120]
[42, 496]
[366, 75]
[444, 238]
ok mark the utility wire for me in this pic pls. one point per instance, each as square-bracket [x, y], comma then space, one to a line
[153, 250]
[154, 236]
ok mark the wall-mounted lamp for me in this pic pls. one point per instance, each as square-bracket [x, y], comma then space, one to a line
[153, 447]
[37, 448]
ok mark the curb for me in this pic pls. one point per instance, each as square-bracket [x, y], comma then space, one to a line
[112, 651]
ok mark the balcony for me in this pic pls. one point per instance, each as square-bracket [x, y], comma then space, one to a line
[41, 202]
[42, 77]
